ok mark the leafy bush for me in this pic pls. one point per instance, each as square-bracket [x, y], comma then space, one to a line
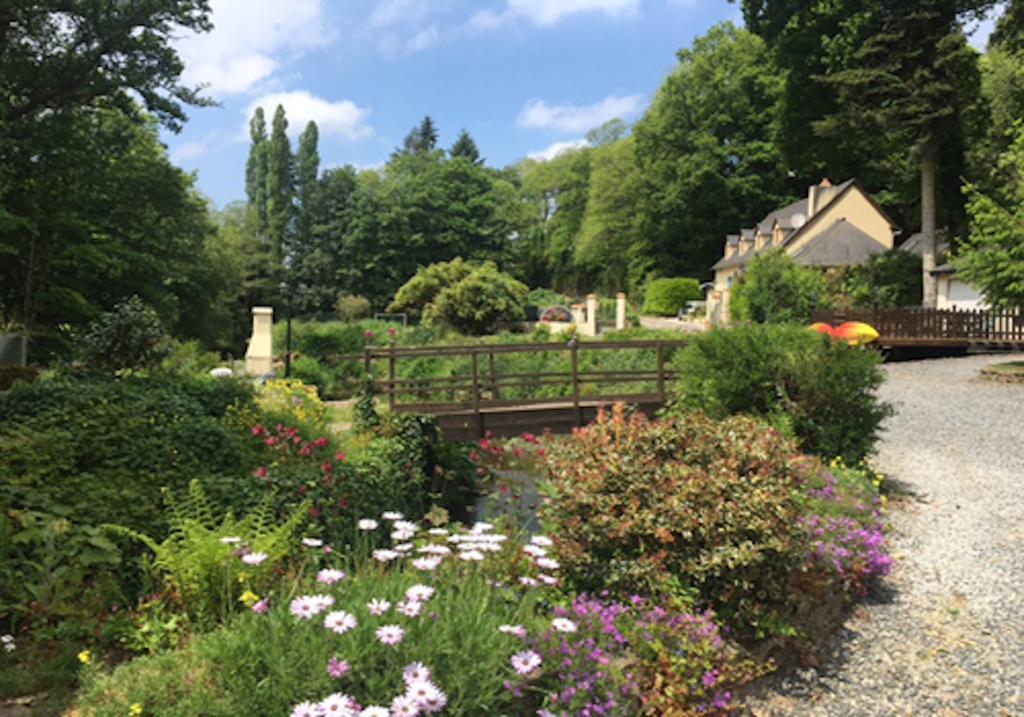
[187, 358]
[10, 375]
[665, 297]
[886, 281]
[448, 613]
[483, 302]
[739, 560]
[130, 337]
[422, 289]
[775, 289]
[824, 391]
[352, 307]
[210, 559]
[311, 372]
[102, 449]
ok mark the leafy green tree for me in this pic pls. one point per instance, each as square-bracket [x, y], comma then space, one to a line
[708, 149]
[280, 187]
[992, 257]
[420, 291]
[885, 281]
[465, 147]
[482, 302]
[611, 131]
[775, 290]
[421, 139]
[610, 231]
[129, 337]
[324, 260]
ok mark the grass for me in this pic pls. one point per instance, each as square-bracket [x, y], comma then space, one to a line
[1014, 368]
[47, 672]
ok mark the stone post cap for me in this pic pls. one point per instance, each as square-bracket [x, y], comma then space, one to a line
[621, 295]
[269, 310]
[591, 296]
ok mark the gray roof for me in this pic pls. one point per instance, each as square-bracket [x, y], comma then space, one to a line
[784, 215]
[914, 244]
[842, 244]
[737, 259]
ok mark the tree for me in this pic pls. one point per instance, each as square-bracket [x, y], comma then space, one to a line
[992, 257]
[256, 169]
[421, 139]
[708, 148]
[483, 301]
[775, 290]
[611, 131]
[465, 147]
[307, 169]
[280, 187]
[420, 291]
[325, 262]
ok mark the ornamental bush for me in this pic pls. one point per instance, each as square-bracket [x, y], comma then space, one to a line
[129, 337]
[483, 302]
[690, 507]
[823, 391]
[775, 289]
[665, 297]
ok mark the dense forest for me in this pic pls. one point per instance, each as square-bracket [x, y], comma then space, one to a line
[93, 211]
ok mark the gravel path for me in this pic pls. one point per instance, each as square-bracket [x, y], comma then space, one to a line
[944, 634]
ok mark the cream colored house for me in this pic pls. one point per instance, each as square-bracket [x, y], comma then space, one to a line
[836, 225]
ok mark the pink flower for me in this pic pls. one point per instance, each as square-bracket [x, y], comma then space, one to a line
[338, 705]
[261, 607]
[525, 662]
[561, 624]
[517, 630]
[254, 558]
[306, 709]
[402, 706]
[340, 622]
[427, 564]
[329, 576]
[368, 334]
[337, 668]
[415, 672]
[390, 634]
[409, 608]
[378, 607]
[261, 472]
[420, 593]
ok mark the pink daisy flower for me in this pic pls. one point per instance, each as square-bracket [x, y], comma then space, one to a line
[547, 564]
[528, 581]
[337, 668]
[329, 576]
[471, 555]
[312, 542]
[303, 608]
[517, 630]
[367, 524]
[525, 662]
[378, 607]
[434, 703]
[375, 711]
[390, 634]
[384, 556]
[561, 624]
[426, 564]
[535, 550]
[337, 705]
[420, 593]
[409, 608]
[415, 672]
[254, 558]
[261, 606]
[547, 579]
[340, 622]
[402, 706]
[306, 709]
[419, 692]
[542, 541]
[391, 515]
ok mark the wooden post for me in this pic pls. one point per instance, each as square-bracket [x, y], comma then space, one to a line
[476, 397]
[661, 373]
[391, 378]
[495, 393]
[367, 367]
[577, 410]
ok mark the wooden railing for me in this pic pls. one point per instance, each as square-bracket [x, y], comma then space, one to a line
[487, 384]
[935, 327]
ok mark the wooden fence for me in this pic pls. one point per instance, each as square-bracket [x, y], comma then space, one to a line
[935, 327]
[487, 397]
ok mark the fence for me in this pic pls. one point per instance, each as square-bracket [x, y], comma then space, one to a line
[935, 327]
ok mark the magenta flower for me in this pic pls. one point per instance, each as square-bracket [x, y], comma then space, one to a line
[337, 668]
[390, 634]
[525, 662]
[261, 607]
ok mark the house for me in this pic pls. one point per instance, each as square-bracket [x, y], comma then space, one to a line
[952, 291]
[836, 225]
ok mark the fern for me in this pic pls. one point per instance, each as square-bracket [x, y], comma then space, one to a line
[201, 573]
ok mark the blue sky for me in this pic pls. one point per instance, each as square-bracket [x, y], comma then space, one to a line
[525, 77]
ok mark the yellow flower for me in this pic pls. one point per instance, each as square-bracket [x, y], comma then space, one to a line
[135, 710]
[241, 578]
[249, 598]
[85, 657]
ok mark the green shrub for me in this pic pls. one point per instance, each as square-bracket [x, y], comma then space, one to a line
[187, 358]
[130, 337]
[886, 281]
[665, 297]
[352, 307]
[310, 371]
[422, 289]
[483, 302]
[102, 449]
[10, 375]
[824, 391]
[690, 507]
[775, 289]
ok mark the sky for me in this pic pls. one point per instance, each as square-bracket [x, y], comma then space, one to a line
[525, 77]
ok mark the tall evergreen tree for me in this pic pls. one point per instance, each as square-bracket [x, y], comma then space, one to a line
[307, 169]
[256, 169]
[280, 188]
[465, 147]
[427, 135]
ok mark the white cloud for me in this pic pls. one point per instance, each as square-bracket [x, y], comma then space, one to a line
[537, 114]
[557, 148]
[249, 42]
[397, 12]
[343, 117]
[187, 151]
[423, 39]
[549, 12]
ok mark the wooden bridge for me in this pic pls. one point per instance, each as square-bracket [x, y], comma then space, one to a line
[489, 395]
[936, 328]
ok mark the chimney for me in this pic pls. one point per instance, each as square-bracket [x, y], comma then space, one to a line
[812, 200]
[818, 196]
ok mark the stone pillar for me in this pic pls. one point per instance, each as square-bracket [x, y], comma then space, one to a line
[577, 316]
[620, 311]
[259, 356]
[591, 315]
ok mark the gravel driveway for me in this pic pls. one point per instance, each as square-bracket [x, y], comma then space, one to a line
[944, 634]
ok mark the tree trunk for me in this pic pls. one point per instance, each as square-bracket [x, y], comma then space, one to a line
[929, 170]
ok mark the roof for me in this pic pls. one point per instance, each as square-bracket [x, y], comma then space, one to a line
[737, 259]
[915, 245]
[944, 269]
[842, 244]
[784, 216]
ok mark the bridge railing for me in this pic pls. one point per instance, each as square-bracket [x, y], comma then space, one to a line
[506, 376]
[935, 327]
